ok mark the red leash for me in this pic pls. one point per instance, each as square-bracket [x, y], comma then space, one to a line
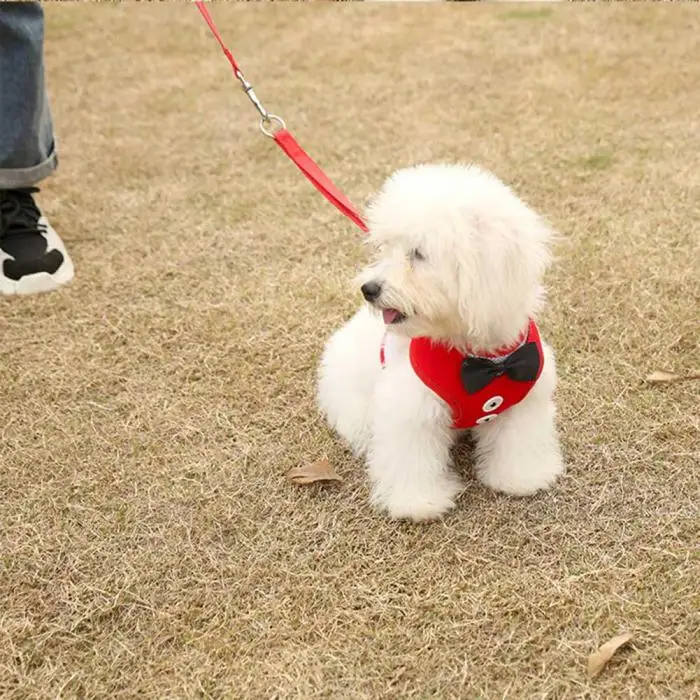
[273, 126]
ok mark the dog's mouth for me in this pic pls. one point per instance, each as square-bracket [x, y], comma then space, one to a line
[392, 316]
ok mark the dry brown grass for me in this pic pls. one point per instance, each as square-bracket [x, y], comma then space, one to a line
[150, 544]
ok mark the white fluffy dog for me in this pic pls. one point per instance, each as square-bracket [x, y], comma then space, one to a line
[446, 343]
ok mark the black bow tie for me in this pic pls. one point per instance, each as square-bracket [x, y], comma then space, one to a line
[521, 366]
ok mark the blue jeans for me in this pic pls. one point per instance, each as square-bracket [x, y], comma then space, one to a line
[27, 148]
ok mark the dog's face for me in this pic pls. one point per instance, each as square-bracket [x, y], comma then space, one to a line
[459, 258]
[412, 284]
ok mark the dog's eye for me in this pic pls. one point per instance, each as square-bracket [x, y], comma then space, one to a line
[417, 254]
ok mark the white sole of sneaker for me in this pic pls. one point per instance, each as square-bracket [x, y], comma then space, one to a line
[40, 281]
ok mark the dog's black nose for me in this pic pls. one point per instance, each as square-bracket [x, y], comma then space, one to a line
[371, 290]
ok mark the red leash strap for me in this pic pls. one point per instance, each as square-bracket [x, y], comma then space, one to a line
[208, 19]
[284, 139]
[317, 177]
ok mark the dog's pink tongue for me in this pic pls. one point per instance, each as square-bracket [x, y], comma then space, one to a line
[390, 315]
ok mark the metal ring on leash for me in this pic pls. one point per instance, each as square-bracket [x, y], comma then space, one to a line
[274, 127]
[272, 119]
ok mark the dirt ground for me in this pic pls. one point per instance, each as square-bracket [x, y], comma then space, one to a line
[150, 544]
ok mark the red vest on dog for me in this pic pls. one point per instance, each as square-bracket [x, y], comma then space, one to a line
[444, 371]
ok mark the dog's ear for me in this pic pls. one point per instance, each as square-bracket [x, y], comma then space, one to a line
[500, 275]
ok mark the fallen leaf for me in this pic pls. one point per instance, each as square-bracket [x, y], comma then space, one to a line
[599, 659]
[660, 377]
[309, 473]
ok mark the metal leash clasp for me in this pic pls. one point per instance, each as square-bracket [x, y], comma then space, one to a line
[267, 119]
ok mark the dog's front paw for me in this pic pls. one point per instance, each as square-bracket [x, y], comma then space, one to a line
[518, 477]
[429, 503]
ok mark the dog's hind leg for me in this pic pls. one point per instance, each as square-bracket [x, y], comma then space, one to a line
[347, 377]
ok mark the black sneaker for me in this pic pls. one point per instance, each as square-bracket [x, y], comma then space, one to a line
[32, 256]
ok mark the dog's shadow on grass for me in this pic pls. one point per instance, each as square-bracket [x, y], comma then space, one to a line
[463, 457]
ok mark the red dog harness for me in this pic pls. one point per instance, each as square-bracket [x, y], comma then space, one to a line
[477, 388]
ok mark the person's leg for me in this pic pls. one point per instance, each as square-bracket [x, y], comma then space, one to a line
[32, 256]
[27, 152]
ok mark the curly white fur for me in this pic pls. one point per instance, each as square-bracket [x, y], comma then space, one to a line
[461, 258]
